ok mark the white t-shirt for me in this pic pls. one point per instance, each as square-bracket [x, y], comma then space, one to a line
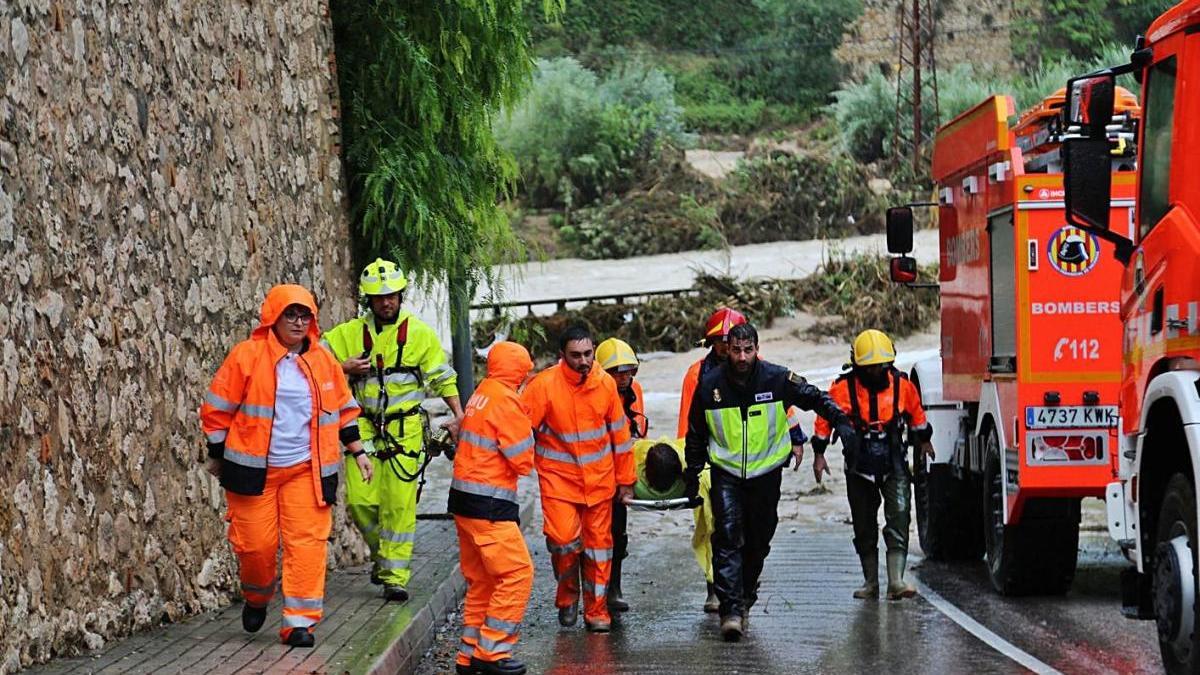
[291, 433]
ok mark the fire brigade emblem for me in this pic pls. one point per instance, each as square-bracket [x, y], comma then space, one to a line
[1072, 251]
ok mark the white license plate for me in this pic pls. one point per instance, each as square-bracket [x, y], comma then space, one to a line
[1071, 416]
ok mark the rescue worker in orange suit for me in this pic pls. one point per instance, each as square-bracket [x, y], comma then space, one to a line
[618, 359]
[495, 447]
[882, 403]
[273, 418]
[738, 424]
[716, 334]
[584, 457]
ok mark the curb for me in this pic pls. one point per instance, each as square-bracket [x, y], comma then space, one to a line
[408, 648]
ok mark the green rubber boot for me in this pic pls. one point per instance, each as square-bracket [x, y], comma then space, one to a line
[870, 569]
[898, 588]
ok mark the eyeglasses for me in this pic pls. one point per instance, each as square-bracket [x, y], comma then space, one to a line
[293, 316]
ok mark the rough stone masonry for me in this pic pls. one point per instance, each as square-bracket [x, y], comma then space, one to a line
[162, 164]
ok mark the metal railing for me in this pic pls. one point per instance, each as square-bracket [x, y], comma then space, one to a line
[561, 303]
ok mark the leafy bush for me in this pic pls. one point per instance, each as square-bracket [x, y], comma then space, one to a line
[589, 25]
[805, 196]
[577, 138]
[735, 117]
[866, 111]
[1047, 32]
[791, 62]
[677, 211]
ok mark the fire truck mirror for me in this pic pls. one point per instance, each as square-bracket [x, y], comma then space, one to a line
[1087, 177]
[903, 270]
[1091, 103]
[900, 229]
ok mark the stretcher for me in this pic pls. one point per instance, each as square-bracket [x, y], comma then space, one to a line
[664, 504]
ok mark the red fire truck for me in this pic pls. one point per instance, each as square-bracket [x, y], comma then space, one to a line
[1152, 507]
[1023, 398]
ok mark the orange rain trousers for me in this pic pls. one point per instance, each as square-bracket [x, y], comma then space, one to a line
[573, 530]
[288, 510]
[499, 576]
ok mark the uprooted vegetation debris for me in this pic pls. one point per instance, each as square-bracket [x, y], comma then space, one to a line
[857, 293]
[850, 292]
[780, 191]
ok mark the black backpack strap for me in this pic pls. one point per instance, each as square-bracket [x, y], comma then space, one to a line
[896, 411]
[856, 417]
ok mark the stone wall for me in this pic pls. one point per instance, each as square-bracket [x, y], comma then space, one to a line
[162, 164]
[976, 32]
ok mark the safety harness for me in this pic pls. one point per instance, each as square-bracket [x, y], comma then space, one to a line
[881, 441]
[628, 398]
[388, 448]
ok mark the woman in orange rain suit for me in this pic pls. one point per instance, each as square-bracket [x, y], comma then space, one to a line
[584, 457]
[495, 447]
[273, 417]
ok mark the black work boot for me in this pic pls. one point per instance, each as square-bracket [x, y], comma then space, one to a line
[616, 601]
[395, 593]
[712, 604]
[732, 628]
[300, 637]
[253, 617]
[376, 580]
[508, 666]
[460, 669]
[569, 615]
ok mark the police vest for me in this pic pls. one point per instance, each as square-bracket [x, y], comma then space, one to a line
[748, 441]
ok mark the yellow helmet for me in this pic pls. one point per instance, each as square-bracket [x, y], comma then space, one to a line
[614, 353]
[872, 347]
[381, 277]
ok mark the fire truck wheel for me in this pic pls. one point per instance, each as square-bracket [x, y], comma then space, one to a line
[1036, 556]
[1175, 578]
[945, 526]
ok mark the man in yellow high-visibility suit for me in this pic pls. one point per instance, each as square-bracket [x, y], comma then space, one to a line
[392, 359]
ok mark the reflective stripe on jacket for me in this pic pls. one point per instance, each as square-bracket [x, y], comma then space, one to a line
[239, 406]
[495, 441]
[582, 437]
[423, 368]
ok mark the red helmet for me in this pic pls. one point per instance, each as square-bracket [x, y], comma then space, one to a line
[721, 322]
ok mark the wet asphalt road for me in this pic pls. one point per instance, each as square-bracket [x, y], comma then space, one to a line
[806, 621]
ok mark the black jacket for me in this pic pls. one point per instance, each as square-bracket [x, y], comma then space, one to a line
[717, 390]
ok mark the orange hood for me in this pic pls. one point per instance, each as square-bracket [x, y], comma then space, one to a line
[277, 300]
[509, 363]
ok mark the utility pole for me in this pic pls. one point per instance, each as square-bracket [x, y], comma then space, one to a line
[459, 290]
[917, 28]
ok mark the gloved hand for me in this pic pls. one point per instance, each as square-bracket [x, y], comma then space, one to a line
[850, 443]
[691, 485]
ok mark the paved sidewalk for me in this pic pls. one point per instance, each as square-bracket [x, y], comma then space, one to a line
[359, 634]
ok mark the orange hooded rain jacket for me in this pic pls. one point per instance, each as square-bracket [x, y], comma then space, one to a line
[495, 442]
[582, 435]
[239, 405]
